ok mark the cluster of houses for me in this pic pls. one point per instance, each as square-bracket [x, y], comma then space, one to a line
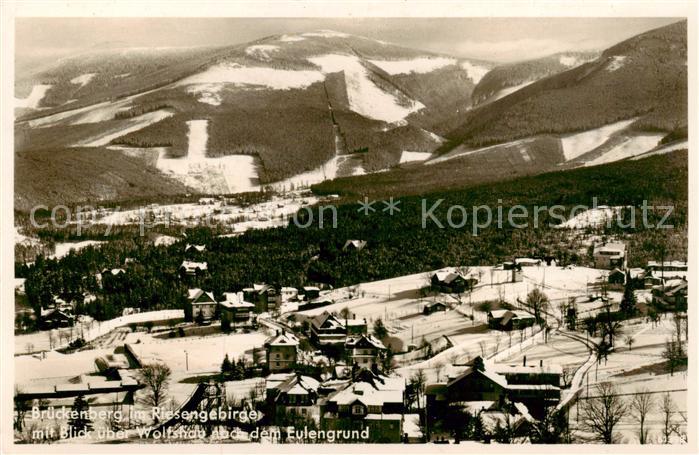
[366, 400]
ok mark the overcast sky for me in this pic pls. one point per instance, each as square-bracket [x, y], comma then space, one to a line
[495, 39]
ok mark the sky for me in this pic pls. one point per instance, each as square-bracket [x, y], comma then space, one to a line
[493, 39]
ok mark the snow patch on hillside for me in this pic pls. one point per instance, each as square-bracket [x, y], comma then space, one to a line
[506, 91]
[616, 63]
[129, 126]
[261, 51]
[683, 145]
[225, 174]
[32, 101]
[83, 79]
[326, 34]
[578, 144]
[291, 38]
[407, 157]
[364, 96]
[62, 249]
[420, 65]
[630, 147]
[233, 73]
[591, 218]
[475, 72]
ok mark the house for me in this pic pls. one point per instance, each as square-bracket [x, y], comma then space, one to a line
[282, 351]
[528, 262]
[292, 393]
[434, 307]
[203, 303]
[311, 292]
[207, 201]
[667, 270]
[510, 320]
[364, 351]
[671, 294]
[326, 328]
[616, 276]
[537, 387]
[236, 311]
[374, 404]
[610, 255]
[192, 268]
[354, 245]
[55, 318]
[263, 296]
[288, 294]
[451, 281]
[189, 248]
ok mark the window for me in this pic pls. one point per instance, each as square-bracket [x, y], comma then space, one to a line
[357, 410]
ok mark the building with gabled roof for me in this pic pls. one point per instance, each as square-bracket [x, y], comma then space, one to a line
[365, 351]
[510, 319]
[292, 393]
[354, 245]
[203, 303]
[610, 255]
[236, 311]
[282, 351]
[192, 268]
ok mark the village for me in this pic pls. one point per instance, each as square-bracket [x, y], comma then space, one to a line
[522, 351]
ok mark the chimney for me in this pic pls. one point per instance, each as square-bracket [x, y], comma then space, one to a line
[277, 332]
[524, 361]
[541, 363]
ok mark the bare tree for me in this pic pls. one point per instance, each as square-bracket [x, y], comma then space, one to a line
[629, 340]
[156, 378]
[641, 405]
[668, 410]
[601, 413]
[538, 302]
[438, 368]
[484, 348]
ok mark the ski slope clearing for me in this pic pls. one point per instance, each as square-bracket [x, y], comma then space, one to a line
[32, 101]
[419, 65]
[326, 34]
[83, 79]
[459, 152]
[261, 51]
[254, 76]
[291, 38]
[225, 174]
[408, 157]
[475, 72]
[630, 147]
[365, 97]
[578, 144]
[507, 91]
[131, 125]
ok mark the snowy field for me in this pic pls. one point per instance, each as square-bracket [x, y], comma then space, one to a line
[460, 152]
[591, 218]
[578, 144]
[128, 126]
[83, 79]
[62, 249]
[664, 149]
[408, 157]
[475, 72]
[630, 147]
[365, 97]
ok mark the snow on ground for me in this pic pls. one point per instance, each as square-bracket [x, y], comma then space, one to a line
[571, 61]
[62, 249]
[578, 144]
[83, 79]
[204, 354]
[165, 240]
[683, 145]
[233, 73]
[34, 369]
[225, 174]
[407, 156]
[326, 34]
[475, 72]
[25, 240]
[32, 101]
[459, 152]
[89, 329]
[129, 126]
[630, 147]
[435, 137]
[616, 63]
[418, 65]
[595, 217]
[291, 38]
[364, 96]
[506, 91]
[261, 51]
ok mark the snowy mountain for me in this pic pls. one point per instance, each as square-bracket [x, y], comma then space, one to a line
[295, 109]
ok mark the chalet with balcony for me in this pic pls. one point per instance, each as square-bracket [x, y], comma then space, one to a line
[365, 351]
[203, 303]
[236, 311]
[282, 351]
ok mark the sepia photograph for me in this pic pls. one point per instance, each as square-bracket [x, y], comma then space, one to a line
[468, 232]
